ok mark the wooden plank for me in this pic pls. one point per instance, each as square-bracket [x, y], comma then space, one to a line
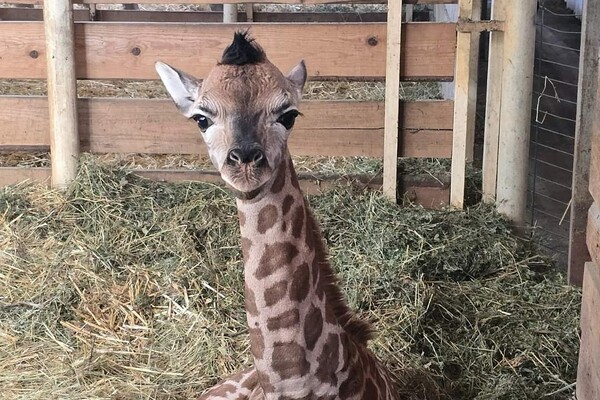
[584, 127]
[35, 14]
[419, 190]
[492, 109]
[392, 94]
[593, 232]
[595, 165]
[465, 101]
[14, 175]
[332, 128]
[588, 371]
[106, 50]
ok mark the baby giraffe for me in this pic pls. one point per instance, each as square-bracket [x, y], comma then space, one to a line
[306, 342]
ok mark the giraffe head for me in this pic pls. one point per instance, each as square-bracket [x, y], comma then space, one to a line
[245, 109]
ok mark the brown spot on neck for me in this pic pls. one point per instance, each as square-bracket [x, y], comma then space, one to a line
[313, 327]
[288, 201]
[289, 360]
[275, 256]
[275, 293]
[286, 319]
[267, 217]
[279, 181]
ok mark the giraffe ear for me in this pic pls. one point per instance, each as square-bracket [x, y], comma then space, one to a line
[183, 88]
[298, 75]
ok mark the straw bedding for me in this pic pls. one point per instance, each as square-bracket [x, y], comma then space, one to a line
[123, 288]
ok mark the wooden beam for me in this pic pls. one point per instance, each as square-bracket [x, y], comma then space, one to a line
[107, 50]
[62, 91]
[465, 101]
[595, 167]
[515, 115]
[469, 26]
[588, 370]
[593, 233]
[331, 128]
[35, 14]
[492, 107]
[392, 95]
[421, 190]
[587, 122]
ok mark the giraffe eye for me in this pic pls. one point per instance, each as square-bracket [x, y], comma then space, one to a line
[203, 121]
[288, 119]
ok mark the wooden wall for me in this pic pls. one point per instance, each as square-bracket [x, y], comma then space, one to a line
[588, 377]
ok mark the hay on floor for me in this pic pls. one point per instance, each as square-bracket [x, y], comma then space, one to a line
[125, 288]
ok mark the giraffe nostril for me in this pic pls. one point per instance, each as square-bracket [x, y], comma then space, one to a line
[258, 157]
[234, 157]
[239, 156]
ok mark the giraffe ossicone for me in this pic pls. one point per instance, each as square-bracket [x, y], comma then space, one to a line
[306, 343]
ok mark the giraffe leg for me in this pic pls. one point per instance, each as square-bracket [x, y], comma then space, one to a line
[241, 386]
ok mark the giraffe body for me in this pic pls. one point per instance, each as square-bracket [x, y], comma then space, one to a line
[306, 342]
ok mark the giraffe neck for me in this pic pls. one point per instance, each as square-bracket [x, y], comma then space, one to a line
[296, 338]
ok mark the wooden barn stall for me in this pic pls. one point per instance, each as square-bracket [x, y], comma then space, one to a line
[121, 49]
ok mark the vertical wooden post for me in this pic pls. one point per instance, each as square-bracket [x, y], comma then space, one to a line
[587, 109]
[62, 90]
[250, 12]
[493, 106]
[409, 11]
[229, 13]
[392, 97]
[465, 101]
[93, 13]
[515, 115]
[446, 13]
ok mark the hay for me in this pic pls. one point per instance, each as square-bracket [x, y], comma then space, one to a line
[126, 288]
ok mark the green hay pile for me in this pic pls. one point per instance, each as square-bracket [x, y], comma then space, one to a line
[124, 288]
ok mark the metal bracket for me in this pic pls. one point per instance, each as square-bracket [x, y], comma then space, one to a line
[470, 26]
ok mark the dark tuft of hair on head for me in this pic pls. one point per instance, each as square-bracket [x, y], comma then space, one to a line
[243, 50]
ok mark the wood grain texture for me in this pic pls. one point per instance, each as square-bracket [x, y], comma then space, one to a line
[35, 14]
[593, 232]
[392, 93]
[62, 90]
[595, 166]
[419, 190]
[588, 371]
[587, 123]
[105, 50]
[467, 53]
[331, 128]
[493, 106]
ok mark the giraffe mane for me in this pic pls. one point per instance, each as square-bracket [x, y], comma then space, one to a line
[243, 50]
[358, 329]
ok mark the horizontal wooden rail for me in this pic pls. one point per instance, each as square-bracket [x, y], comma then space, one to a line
[419, 189]
[111, 50]
[35, 14]
[328, 128]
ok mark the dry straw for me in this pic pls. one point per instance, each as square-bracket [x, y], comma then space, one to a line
[124, 288]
